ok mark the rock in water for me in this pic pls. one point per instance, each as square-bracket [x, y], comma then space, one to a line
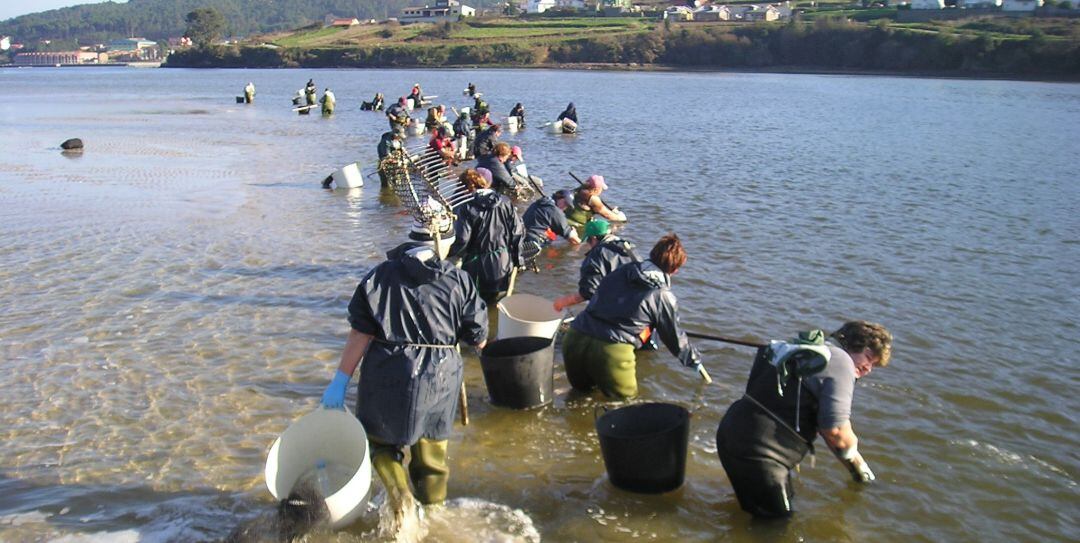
[295, 516]
[72, 144]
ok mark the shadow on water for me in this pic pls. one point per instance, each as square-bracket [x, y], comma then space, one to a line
[294, 271]
[328, 302]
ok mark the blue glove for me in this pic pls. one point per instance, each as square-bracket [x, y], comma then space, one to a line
[334, 397]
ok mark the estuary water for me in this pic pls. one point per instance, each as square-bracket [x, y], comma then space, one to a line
[174, 296]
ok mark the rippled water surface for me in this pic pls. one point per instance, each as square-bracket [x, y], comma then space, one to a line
[174, 296]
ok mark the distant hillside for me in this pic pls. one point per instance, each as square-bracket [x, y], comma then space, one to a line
[159, 19]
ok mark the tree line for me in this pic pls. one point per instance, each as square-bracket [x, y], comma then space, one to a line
[162, 19]
[826, 44]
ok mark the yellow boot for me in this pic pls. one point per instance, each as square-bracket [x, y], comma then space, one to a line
[428, 470]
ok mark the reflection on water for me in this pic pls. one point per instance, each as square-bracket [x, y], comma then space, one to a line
[175, 296]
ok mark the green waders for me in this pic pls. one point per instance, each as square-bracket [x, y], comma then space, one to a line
[427, 469]
[594, 363]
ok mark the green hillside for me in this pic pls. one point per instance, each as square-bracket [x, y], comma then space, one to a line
[159, 19]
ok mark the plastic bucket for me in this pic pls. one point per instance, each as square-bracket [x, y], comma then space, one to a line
[239, 99]
[525, 315]
[336, 439]
[418, 128]
[409, 104]
[520, 371]
[348, 177]
[568, 126]
[644, 446]
[512, 123]
[556, 127]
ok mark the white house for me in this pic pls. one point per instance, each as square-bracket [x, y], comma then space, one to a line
[679, 13]
[539, 6]
[443, 10]
[927, 4]
[1021, 5]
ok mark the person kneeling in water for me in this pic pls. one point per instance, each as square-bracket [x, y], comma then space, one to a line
[797, 390]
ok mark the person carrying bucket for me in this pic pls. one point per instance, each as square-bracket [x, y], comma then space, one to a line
[797, 390]
[519, 112]
[628, 306]
[488, 236]
[607, 252]
[568, 114]
[587, 203]
[407, 316]
[249, 93]
[545, 222]
[417, 96]
[328, 101]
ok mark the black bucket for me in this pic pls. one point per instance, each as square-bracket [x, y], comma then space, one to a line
[644, 446]
[519, 371]
[239, 99]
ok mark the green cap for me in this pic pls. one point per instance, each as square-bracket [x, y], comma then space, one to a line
[597, 227]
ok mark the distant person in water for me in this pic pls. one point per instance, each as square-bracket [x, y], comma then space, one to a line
[797, 391]
[398, 115]
[310, 92]
[249, 93]
[569, 113]
[328, 101]
[519, 112]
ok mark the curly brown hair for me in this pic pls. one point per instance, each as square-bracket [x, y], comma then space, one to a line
[502, 149]
[668, 254]
[473, 180]
[856, 336]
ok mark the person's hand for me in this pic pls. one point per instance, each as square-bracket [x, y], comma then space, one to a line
[857, 465]
[563, 302]
[334, 397]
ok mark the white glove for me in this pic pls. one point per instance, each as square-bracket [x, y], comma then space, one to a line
[856, 464]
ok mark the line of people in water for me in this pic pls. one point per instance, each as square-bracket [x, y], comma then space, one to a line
[409, 314]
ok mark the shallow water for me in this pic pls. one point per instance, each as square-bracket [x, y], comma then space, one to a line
[172, 297]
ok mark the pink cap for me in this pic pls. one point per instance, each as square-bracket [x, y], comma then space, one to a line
[596, 182]
[516, 151]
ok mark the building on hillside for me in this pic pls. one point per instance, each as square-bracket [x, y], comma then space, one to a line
[132, 49]
[60, 58]
[443, 10]
[711, 13]
[976, 4]
[5, 43]
[758, 13]
[179, 43]
[927, 4]
[613, 7]
[1021, 5]
[539, 6]
[332, 21]
[743, 12]
[679, 13]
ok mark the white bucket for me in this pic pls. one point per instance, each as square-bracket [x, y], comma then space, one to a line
[556, 127]
[348, 177]
[525, 315]
[409, 104]
[569, 127]
[331, 436]
[513, 122]
[418, 128]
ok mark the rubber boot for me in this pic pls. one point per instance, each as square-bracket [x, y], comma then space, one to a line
[387, 461]
[429, 471]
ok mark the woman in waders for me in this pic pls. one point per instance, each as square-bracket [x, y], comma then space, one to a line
[489, 237]
[607, 252]
[797, 391]
[587, 203]
[407, 316]
[629, 304]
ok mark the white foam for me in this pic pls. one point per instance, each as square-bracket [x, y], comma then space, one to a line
[481, 521]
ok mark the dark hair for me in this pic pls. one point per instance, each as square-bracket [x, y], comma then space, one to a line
[857, 336]
[668, 254]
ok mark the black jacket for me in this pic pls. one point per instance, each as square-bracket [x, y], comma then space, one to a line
[608, 255]
[462, 126]
[544, 215]
[488, 238]
[408, 386]
[629, 300]
[385, 144]
[501, 178]
[484, 145]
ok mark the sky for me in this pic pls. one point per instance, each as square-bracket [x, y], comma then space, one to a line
[14, 8]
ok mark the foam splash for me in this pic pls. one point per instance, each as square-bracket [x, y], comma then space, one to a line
[476, 520]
